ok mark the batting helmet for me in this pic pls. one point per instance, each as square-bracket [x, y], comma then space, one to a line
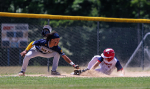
[108, 53]
[46, 29]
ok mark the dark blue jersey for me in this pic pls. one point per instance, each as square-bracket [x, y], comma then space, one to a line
[43, 46]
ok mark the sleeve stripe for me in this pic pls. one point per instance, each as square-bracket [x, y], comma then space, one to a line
[99, 61]
[30, 46]
[120, 69]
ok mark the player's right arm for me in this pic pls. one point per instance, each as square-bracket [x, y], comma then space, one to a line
[97, 63]
[23, 53]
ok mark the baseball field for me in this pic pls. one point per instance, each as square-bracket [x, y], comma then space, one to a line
[38, 78]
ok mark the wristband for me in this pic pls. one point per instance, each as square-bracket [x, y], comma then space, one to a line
[71, 63]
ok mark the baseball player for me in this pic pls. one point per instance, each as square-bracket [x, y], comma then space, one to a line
[107, 63]
[46, 29]
[45, 48]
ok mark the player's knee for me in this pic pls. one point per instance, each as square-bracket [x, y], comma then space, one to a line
[28, 56]
[56, 54]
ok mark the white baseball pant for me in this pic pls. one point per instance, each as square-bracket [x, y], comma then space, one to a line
[33, 52]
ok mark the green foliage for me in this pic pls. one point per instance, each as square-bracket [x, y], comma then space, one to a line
[76, 5]
[84, 29]
[106, 8]
[73, 83]
[140, 10]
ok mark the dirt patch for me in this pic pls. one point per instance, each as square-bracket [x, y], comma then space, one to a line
[92, 73]
[96, 74]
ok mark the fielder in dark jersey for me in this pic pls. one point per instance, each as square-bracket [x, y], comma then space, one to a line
[46, 48]
[42, 46]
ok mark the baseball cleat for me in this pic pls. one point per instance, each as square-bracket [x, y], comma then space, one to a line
[54, 73]
[72, 73]
[21, 73]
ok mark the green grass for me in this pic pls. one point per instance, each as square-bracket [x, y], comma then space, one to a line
[74, 83]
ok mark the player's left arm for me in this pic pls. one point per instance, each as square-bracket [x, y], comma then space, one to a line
[120, 68]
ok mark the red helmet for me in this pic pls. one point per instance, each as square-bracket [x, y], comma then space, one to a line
[108, 53]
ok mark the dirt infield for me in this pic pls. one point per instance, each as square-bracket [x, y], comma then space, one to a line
[66, 72]
[95, 74]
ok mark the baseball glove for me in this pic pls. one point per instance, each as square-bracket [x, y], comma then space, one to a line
[77, 70]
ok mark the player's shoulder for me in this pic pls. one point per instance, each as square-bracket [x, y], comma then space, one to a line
[40, 41]
[100, 58]
[115, 59]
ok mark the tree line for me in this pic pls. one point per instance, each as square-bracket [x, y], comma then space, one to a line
[102, 8]
[118, 35]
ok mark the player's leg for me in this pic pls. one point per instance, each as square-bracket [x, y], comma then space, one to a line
[55, 61]
[31, 54]
[101, 70]
[55, 64]
[56, 58]
[104, 69]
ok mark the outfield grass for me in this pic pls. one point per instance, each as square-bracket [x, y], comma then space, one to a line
[41, 82]
[74, 83]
